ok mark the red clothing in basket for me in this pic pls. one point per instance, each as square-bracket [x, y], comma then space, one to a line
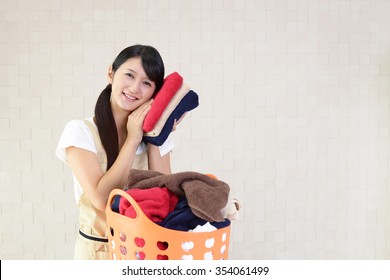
[156, 203]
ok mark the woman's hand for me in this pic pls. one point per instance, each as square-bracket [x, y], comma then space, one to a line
[135, 122]
[176, 123]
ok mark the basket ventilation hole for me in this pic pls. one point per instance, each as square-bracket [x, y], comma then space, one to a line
[139, 242]
[187, 246]
[209, 243]
[123, 250]
[113, 244]
[223, 248]
[224, 237]
[139, 255]
[113, 256]
[162, 257]
[187, 257]
[208, 256]
[122, 236]
[162, 245]
[112, 231]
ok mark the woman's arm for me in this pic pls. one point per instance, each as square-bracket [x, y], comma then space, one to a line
[96, 184]
[86, 168]
[157, 162]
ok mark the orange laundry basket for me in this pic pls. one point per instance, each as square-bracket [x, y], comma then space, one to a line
[142, 239]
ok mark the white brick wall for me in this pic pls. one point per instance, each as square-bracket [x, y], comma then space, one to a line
[294, 115]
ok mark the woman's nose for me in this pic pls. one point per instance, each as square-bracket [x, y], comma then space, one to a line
[133, 89]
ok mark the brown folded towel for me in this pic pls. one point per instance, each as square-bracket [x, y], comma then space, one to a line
[206, 196]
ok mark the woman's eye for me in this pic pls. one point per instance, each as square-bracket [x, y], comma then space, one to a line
[130, 75]
[147, 83]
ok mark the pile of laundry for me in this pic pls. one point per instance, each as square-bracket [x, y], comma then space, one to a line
[173, 100]
[185, 201]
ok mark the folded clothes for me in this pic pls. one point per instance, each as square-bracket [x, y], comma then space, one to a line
[171, 85]
[189, 102]
[183, 219]
[155, 202]
[184, 89]
[206, 196]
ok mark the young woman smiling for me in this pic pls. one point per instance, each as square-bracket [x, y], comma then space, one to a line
[102, 149]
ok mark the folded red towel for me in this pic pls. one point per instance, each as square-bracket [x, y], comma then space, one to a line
[171, 85]
[156, 203]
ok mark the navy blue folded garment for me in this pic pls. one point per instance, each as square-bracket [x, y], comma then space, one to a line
[183, 219]
[189, 102]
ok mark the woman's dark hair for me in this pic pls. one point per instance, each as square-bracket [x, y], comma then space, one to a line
[104, 118]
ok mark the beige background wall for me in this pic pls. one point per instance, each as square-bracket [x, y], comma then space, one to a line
[294, 115]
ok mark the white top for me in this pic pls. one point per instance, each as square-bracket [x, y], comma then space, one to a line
[77, 134]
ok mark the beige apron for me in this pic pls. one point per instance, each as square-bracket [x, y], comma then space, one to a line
[92, 242]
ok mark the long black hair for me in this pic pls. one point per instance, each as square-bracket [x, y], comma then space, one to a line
[104, 118]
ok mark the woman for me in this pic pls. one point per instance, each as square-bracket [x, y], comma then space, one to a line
[101, 150]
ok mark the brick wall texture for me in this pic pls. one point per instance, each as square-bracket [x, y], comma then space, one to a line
[294, 115]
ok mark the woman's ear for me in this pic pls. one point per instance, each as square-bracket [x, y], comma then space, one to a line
[110, 75]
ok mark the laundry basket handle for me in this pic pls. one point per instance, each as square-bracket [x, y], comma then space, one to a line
[124, 194]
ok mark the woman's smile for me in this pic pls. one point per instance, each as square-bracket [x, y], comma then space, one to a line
[129, 97]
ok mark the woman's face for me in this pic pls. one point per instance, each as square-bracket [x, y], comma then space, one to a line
[131, 87]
